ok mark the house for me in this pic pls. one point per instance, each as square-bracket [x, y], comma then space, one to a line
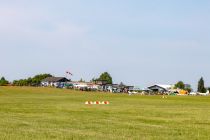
[84, 86]
[101, 85]
[160, 88]
[101, 82]
[54, 81]
[93, 86]
[124, 88]
[78, 85]
[87, 86]
[115, 88]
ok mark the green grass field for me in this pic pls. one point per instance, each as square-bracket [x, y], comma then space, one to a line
[47, 113]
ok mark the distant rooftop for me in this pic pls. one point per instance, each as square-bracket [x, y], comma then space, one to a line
[54, 79]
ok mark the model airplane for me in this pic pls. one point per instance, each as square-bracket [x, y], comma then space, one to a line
[204, 94]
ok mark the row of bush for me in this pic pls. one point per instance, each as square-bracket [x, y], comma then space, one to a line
[31, 81]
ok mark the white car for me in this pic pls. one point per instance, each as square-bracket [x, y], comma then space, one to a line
[193, 93]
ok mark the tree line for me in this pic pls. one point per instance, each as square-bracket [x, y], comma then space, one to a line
[201, 86]
[31, 81]
[36, 81]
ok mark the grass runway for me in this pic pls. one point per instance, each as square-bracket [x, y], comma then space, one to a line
[59, 114]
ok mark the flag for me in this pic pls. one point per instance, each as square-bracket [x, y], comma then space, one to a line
[67, 72]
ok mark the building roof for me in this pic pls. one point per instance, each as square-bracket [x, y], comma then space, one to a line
[166, 87]
[55, 79]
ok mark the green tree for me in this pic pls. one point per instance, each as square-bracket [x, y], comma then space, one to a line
[180, 85]
[189, 89]
[34, 81]
[106, 77]
[201, 86]
[3, 82]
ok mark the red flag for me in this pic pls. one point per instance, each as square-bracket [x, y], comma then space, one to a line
[69, 72]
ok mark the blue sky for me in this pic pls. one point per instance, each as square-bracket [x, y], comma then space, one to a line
[139, 42]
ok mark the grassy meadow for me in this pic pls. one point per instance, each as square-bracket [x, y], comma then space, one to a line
[56, 114]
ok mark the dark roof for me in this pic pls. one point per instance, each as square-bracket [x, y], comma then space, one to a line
[55, 79]
[155, 87]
